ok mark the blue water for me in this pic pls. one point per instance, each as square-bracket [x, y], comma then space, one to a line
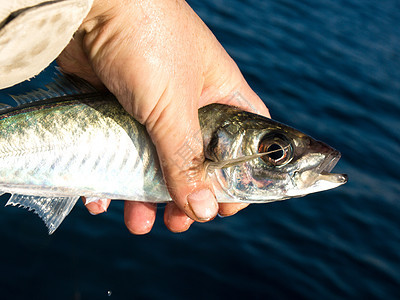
[330, 68]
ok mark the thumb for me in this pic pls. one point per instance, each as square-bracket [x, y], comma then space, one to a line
[177, 136]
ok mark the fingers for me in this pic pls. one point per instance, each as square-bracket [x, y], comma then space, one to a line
[96, 206]
[175, 219]
[176, 134]
[139, 216]
[229, 209]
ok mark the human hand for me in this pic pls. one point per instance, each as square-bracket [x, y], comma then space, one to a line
[162, 63]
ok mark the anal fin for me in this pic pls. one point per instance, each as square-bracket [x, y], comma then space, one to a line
[52, 210]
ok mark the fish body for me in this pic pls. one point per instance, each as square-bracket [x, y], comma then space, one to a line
[71, 141]
[89, 147]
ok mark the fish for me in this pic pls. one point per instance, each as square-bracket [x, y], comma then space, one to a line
[70, 140]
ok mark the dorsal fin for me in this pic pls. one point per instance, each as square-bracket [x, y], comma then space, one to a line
[52, 210]
[62, 85]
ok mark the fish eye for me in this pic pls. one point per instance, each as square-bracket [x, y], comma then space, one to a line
[277, 149]
[276, 152]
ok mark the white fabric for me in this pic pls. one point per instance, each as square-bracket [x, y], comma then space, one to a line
[36, 36]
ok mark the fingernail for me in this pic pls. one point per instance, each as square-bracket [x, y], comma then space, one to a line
[102, 204]
[203, 204]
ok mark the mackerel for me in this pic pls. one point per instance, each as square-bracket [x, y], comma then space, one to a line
[69, 140]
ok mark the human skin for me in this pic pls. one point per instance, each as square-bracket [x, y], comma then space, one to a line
[162, 63]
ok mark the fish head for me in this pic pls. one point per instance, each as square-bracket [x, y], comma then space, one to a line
[256, 159]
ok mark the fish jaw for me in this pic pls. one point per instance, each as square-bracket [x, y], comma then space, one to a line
[324, 181]
[318, 179]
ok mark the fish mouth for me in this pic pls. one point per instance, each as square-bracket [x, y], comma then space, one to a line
[329, 162]
[319, 178]
[326, 180]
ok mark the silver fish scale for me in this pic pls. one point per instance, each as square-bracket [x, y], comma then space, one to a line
[79, 149]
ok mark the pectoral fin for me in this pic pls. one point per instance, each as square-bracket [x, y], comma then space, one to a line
[52, 210]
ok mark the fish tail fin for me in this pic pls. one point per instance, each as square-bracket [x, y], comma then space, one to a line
[52, 210]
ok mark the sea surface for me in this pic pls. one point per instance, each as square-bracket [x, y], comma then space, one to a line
[330, 68]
